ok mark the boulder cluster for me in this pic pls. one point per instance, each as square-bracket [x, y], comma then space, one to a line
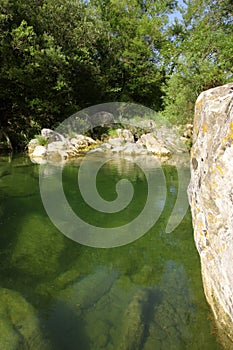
[52, 146]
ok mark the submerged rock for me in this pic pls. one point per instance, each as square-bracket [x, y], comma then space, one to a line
[173, 317]
[19, 325]
[90, 289]
[72, 305]
[211, 199]
[102, 327]
[31, 252]
[132, 333]
[85, 293]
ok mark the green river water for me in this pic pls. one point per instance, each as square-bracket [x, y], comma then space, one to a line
[56, 294]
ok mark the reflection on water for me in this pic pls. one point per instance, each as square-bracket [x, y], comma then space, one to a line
[57, 294]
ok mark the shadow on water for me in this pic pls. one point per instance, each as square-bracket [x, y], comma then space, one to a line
[65, 329]
[154, 299]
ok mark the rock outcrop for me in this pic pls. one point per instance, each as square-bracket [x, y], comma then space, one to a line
[211, 200]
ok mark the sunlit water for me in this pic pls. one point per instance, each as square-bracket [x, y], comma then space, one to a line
[57, 294]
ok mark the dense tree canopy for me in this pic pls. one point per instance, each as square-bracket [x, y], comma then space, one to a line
[58, 56]
[199, 55]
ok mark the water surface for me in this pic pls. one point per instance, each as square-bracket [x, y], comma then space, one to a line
[58, 294]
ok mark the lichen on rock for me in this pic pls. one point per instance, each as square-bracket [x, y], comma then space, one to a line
[210, 196]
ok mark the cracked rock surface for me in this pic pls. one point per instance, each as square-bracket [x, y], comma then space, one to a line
[211, 199]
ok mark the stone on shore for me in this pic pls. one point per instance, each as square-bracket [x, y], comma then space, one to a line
[52, 136]
[154, 145]
[163, 143]
[39, 152]
[125, 134]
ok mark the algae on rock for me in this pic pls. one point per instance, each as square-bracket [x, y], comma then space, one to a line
[19, 325]
[132, 333]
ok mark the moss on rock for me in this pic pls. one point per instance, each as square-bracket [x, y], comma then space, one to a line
[19, 325]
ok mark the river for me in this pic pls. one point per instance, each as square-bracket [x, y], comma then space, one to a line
[144, 295]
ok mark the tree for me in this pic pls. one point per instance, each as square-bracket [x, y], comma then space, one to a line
[129, 52]
[47, 61]
[202, 54]
[60, 56]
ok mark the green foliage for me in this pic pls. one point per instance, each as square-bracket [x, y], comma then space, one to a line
[61, 56]
[46, 75]
[42, 141]
[200, 54]
[58, 57]
[112, 132]
[130, 50]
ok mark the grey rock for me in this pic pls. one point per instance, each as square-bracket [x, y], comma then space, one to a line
[106, 146]
[125, 134]
[51, 135]
[81, 140]
[154, 145]
[117, 141]
[57, 146]
[32, 145]
[95, 150]
[211, 199]
[102, 118]
[135, 149]
[39, 151]
[118, 149]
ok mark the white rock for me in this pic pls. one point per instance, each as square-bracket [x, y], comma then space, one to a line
[106, 146]
[51, 135]
[57, 146]
[153, 145]
[32, 145]
[117, 141]
[125, 134]
[39, 151]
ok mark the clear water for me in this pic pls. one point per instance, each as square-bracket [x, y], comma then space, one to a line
[57, 294]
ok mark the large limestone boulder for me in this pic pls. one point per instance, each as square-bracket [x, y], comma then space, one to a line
[211, 200]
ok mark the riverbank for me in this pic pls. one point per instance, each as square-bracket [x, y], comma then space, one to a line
[51, 146]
